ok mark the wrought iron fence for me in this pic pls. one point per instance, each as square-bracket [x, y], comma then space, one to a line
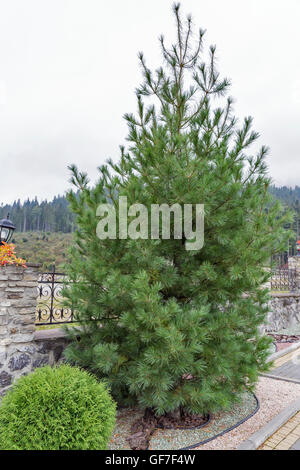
[284, 279]
[50, 308]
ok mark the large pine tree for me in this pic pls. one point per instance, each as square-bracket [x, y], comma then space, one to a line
[167, 327]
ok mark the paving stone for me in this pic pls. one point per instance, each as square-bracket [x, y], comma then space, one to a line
[282, 446]
[288, 370]
[274, 441]
[294, 436]
[290, 425]
[287, 437]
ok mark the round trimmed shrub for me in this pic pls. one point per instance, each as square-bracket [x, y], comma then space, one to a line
[57, 408]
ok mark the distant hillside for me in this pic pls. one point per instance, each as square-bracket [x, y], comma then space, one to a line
[288, 195]
[52, 216]
[291, 198]
[44, 229]
[43, 248]
[55, 215]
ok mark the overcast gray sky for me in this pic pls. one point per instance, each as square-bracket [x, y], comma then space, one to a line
[68, 70]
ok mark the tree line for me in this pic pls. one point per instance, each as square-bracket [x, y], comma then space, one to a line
[44, 216]
[290, 197]
[56, 216]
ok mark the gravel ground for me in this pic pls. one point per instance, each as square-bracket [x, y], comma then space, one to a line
[173, 439]
[274, 396]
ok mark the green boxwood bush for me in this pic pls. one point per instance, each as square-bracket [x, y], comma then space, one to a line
[55, 409]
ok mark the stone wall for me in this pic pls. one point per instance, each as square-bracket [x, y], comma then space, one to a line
[22, 349]
[18, 293]
[284, 308]
[49, 347]
[284, 311]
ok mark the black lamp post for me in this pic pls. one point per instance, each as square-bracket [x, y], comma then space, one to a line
[6, 229]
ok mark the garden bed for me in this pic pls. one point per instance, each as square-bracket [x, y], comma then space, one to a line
[284, 338]
[173, 439]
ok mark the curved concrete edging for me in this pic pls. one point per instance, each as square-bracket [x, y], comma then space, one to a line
[205, 441]
[259, 437]
[283, 352]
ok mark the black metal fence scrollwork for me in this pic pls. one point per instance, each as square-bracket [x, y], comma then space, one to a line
[50, 308]
[284, 280]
